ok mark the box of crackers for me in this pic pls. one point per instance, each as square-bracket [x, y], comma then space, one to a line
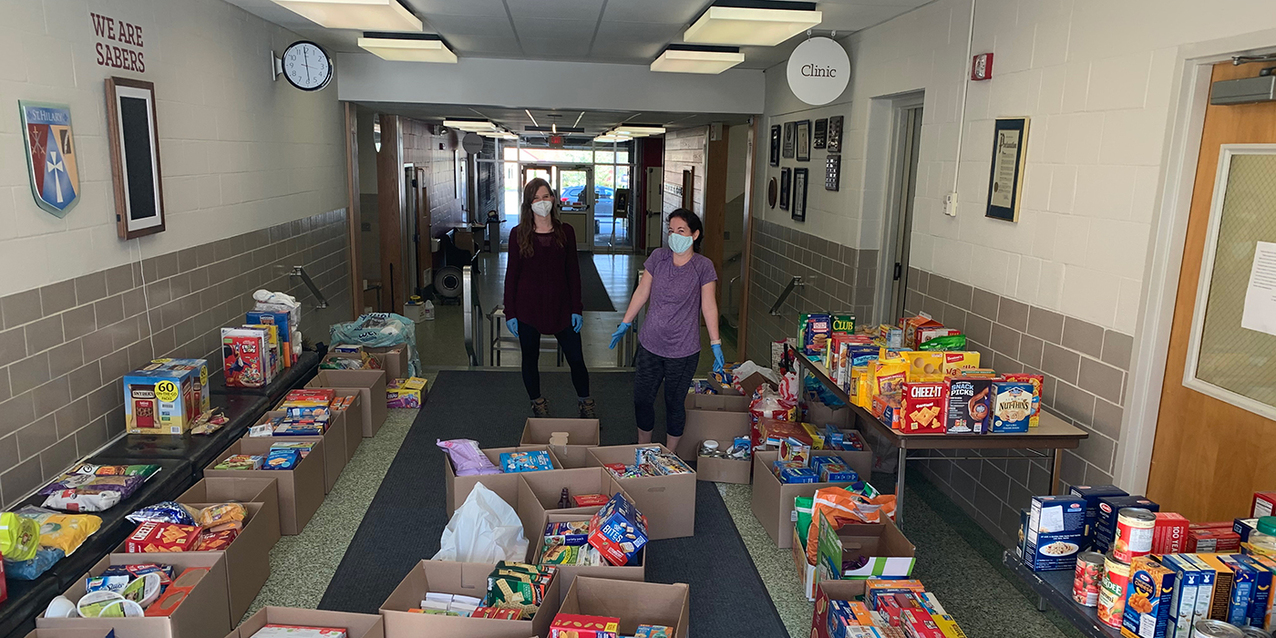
[152, 536]
[618, 530]
[923, 406]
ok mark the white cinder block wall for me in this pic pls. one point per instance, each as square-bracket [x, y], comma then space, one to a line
[1095, 78]
[239, 151]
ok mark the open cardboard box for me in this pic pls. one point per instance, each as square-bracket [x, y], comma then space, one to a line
[713, 417]
[582, 434]
[468, 579]
[220, 489]
[567, 573]
[394, 360]
[819, 414]
[353, 418]
[668, 502]
[505, 485]
[67, 633]
[832, 590]
[247, 557]
[772, 501]
[749, 383]
[709, 468]
[370, 384]
[300, 489]
[538, 494]
[334, 446]
[633, 603]
[890, 554]
[204, 613]
[356, 625]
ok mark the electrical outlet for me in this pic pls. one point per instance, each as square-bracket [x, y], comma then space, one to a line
[950, 204]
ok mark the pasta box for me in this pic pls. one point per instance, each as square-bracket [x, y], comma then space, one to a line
[1055, 532]
[1092, 494]
[1104, 528]
[1011, 407]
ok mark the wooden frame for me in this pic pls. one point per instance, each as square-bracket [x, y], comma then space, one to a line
[1009, 150]
[803, 140]
[135, 161]
[801, 180]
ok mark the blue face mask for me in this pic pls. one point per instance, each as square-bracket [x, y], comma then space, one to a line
[680, 243]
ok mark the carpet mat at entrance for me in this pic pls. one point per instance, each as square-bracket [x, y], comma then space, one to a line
[407, 515]
[593, 294]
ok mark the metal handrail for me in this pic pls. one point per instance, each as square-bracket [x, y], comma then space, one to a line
[300, 271]
[473, 316]
[793, 283]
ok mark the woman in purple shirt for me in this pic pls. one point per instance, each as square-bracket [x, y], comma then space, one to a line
[680, 285]
[542, 294]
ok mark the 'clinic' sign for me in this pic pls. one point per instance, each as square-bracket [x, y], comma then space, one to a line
[818, 71]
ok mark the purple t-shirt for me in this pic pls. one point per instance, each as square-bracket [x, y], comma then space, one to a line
[672, 326]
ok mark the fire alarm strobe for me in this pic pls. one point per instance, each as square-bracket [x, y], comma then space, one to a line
[981, 67]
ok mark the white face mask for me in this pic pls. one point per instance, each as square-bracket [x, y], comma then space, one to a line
[542, 208]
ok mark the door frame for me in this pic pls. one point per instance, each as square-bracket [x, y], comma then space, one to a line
[888, 114]
[1189, 95]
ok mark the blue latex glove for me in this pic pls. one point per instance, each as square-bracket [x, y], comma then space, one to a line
[620, 332]
[577, 322]
[718, 363]
[512, 324]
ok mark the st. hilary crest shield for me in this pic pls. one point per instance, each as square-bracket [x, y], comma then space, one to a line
[55, 177]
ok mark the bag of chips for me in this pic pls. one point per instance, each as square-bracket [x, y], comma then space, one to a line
[65, 532]
[45, 557]
[19, 537]
[842, 506]
[164, 512]
[74, 501]
[467, 458]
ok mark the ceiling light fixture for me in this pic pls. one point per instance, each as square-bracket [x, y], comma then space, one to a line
[555, 129]
[364, 15]
[474, 126]
[637, 130]
[763, 23]
[697, 58]
[609, 138]
[407, 47]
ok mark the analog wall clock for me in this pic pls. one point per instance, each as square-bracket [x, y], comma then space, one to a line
[306, 65]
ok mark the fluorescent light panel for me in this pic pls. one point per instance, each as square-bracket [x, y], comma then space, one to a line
[763, 24]
[638, 131]
[474, 126]
[365, 15]
[609, 138]
[407, 47]
[697, 59]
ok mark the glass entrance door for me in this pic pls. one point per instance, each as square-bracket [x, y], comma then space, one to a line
[575, 189]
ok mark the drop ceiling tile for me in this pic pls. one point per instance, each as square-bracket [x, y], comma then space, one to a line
[546, 28]
[477, 45]
[623, 49]
[427, 8]
[556, 47]
[680, 12]
[562, 9]
[471, 25]
[630, 31]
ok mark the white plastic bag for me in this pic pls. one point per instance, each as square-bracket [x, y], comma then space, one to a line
[484, 529]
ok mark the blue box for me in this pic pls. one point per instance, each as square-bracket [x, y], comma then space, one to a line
[1010, 407]
[1243, 527]
[1055, 531]
[1092, 494]
[1262, 590]
[791, 475]
[1244, 578]
[1104, 529]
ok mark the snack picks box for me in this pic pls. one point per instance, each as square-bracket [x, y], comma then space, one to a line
[923, 408]
[968, 405]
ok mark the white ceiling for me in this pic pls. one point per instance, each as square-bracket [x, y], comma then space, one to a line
[594, 122]
[610, 31]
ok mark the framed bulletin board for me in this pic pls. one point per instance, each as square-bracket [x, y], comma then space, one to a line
[1005, 181]
[135, 161]
[1232, 349]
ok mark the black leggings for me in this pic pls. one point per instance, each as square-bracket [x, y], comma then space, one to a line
[676, 374]
[569, 340]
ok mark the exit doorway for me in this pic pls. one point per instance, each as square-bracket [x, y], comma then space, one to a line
[574, 186]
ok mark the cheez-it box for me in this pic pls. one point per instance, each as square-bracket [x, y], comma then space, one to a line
[923, 408]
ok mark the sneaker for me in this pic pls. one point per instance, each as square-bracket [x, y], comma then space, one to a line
[588, 409]
[540, 408]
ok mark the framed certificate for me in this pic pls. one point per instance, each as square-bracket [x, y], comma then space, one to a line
[1009, 148]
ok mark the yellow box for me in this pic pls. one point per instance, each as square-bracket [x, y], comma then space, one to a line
[924, 366]
[955, 362]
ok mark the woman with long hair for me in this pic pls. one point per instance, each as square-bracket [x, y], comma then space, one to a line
[542, 294]
[680, 286]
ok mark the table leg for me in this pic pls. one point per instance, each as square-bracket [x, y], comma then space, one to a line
[1056, 463]
[899, 487]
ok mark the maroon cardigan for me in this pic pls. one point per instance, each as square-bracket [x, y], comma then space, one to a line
[543, 290]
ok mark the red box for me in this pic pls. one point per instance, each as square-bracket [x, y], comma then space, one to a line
[579, 626]
[590, 500]
[1264, 504]
[924, 405]
[917, 623]
[1212, 540]
[1170, 534]
[161, 537]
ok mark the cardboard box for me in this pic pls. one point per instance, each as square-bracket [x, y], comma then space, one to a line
[633, 603]
[718, 470]
[749, 384]
[247, 557]
[505, 485]
[219, 489]
[668, 502]
[205, 613]
[356, 625]
[161, 401]
[538, 493]
[300, 489]
[582, 434]
[820, 415]
[353, 417]
[66, 633]
[772, 502]
[832, 590]
[890, 554]
[371, 387]
[334, 446]
[859, 460]
[468, 579]
[567, 573]
[394, 360]
[712, 417]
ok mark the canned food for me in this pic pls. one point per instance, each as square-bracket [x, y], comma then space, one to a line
[1116, 575]
[1088, 577]
[1254, 632]
[1210, 628]
[1134, 531]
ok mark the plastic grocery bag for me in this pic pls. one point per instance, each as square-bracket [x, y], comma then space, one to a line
[380, 330]
[484, 529]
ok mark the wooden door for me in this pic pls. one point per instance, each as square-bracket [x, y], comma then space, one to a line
[1210, 456]
[424, 256]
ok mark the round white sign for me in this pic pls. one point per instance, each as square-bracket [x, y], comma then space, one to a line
[819, 71]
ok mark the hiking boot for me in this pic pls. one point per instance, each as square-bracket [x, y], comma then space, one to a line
[588, 409]
[540, 408]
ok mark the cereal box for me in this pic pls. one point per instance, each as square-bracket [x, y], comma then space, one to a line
[1011, 406]
[924, 366]
[1148, 596]
[246, 357]
[1037, 382]
[923, 408]
[816, 330]
[968, 405]
[957, 362]
[281, 319]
